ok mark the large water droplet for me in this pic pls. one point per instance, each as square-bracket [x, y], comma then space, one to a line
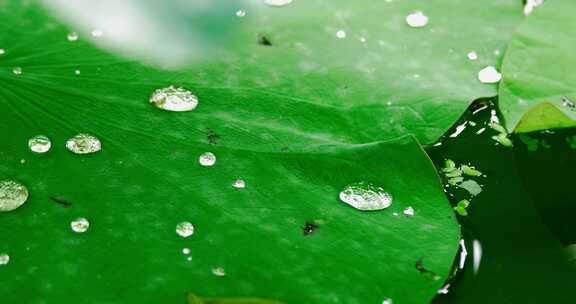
[72, 36]
[417, 19]
[239, 184]
[207, 159]
[80, 225]
[219, 271]
[277, 2]
[174, 99]
[489, 74]
[12, 195]
[365, 196]
[185, 229]
[39, 144]
[4, 258]
[83, 144]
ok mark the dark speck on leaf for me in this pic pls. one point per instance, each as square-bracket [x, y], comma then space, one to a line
[61, 201]
[212, 137]
[309, 228]
[420, 267]
[263, 40]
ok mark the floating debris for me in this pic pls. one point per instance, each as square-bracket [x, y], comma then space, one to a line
[489, 74]
[80, 225]
[470, 170]
[12, 195]
[61, 201]
[39, 144]
[185, 229]
[417, 19]
[365, 196]
[83, 144]
[207, 159]
[460, 208]
[175, 99]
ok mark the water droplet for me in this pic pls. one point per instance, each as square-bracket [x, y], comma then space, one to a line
[39, 144]
[2, 52]
[278, 2]
[219, 271]
[241, 13]
[72, 36]
[207, 159]
[489, 74]
[12, 195]
[80, 225]
[239, 184]
[77, 72]
[472, 56]
[186, 251]
[365, 196]
[17, 71]
[530, 5]
[174, 99]
[408, 211]
[97, 33]
[417, 19]
[189, 259]
[444, 290]
[83, 144]
[387, 301]
[4, 258]
[340, 34]
[185, 229]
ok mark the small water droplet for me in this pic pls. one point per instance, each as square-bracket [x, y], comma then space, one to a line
[408, 211]
[12, 195]
[174, 99]
[77, 72]
[4, 258]
[387, 301]
[278, 2]
[489, 74]
[17, 71]
[207, 159]
[73, 36]
[97, 33]
[189, 259]
[39, 144]
[239, 184]
[365, 196]
[240, 13]
[83, 144]
[80, 225]
[185, 229]
[219, 271]
[530, 5]
[417, 19]
[340, 34]
[472, 56]
[2, 52]
[186, 251]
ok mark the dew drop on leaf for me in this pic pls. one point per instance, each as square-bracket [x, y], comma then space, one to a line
[174, 99]
[17, 71]
[97, 33]
[472, 56]
[417, 19]
[73, 36]
[240, 13]
[185, 229]
[239, 184]
[489, 74]
[219, 271]
[365, 196]
[277, 2]
[39, 144]
[80, 225]
[408, 211]
[83, 144]
[2, 51]
[387, 301]
[186, 251]
[207, 159]
[12, 195]
[4, 258]
[340, 34]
